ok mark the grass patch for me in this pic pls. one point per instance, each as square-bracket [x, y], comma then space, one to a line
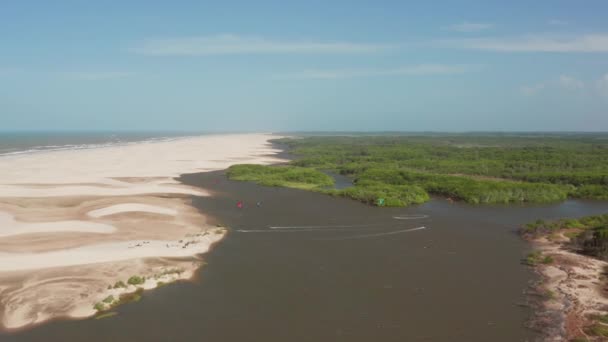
[286, 176]
[109, 299]
[130, 297]
[597, 329]
[602, 318]
[136, 280]
[536, 258]
[99, 306]
[573, 234]
[177, 271]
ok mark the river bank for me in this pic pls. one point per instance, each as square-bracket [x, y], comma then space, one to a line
[76, 225]
[572, 298]
[304, 266]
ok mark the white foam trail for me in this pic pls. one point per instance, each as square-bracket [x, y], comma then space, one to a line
[365, 236]
[289, 230]
[410, 217]
[320, 227]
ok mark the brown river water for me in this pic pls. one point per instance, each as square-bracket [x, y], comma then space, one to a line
[302, 266]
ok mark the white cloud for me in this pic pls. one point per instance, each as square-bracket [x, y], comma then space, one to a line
[563, 81]
[470, 27]
[227, 44]
[602, 85]
[96, 76]
[570, 82]
[414, 70]
[597, 42]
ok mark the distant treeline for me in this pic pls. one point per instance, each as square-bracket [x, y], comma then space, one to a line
[475, 169]
[403, 170]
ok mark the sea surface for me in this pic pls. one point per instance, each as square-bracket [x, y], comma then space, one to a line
[303, 266]
[14, 143]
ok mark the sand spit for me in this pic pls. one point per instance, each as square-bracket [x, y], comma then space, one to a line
[75, 225]
[129, 207]
[572, 289]
[11, 227]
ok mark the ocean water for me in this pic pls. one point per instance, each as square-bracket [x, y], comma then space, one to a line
[15, 143]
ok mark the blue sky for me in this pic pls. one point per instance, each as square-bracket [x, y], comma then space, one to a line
[316, 65]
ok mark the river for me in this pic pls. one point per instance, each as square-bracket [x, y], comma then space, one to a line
[303, 266]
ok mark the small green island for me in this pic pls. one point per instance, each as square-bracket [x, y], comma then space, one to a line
[402, 170]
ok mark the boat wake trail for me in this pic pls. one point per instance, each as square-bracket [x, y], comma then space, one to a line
[297, 230]
[410, 217]
[323, 227]
[366, 236]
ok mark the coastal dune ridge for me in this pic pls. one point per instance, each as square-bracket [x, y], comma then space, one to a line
[75, 225]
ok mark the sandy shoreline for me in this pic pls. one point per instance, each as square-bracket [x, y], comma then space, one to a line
[75, 222]
[571, 290]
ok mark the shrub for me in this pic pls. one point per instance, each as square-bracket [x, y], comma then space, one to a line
[136, 280]
[120, 284]
[109, 299]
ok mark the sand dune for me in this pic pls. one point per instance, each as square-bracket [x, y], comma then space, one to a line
[108, 252]
[129, 207]
[8, 226]
[74, 221]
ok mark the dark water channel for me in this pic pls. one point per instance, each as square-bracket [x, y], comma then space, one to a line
[303, 266]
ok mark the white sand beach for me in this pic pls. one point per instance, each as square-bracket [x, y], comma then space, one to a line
[73, 222]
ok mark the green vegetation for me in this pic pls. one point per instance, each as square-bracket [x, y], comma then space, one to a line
[177, 271]
[549, 294]
[120, 284]
[136, 280]
[109, 299]
[287, 176]
[597, 329]
[99, 306]
[380, 194]
[600, 318]
[536, 258]
[588, 235]
[466, 189]
[475, 168]
[130, 297]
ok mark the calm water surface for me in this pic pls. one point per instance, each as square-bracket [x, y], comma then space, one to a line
[300, 266]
